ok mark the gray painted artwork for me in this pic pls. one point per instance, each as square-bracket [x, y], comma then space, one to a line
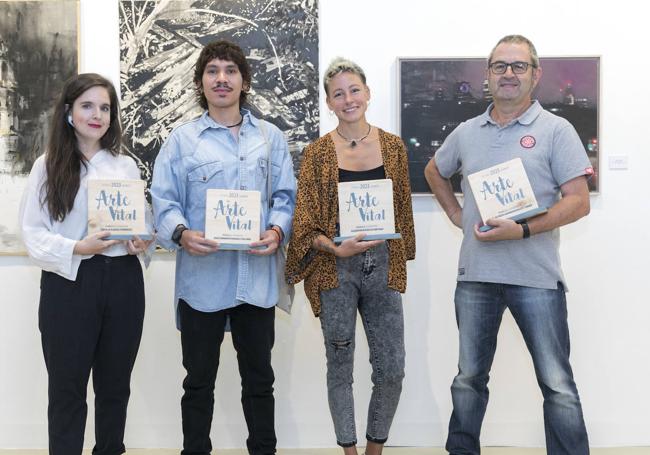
[38, 52]
[160, 43]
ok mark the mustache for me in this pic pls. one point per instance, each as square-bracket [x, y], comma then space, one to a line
[508, 80]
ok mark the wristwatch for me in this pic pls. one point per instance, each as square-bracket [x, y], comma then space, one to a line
[525, 228]
[178, 233]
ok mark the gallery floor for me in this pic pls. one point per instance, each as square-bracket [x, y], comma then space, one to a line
[387, 451]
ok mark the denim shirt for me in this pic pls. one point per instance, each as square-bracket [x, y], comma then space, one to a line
[200, 155]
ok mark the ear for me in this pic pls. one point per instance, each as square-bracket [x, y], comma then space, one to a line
[246, 87]
[537, 75]
[328, 102]
[368, 90]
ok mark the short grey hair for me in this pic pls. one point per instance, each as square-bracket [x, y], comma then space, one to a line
[341, 65]
[517, 39]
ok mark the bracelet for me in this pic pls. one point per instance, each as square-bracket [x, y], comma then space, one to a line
[526, 229]
[278, 232]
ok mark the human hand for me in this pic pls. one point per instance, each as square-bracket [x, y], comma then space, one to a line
[355, 245]
[502, 229]
[94, 244]
[270, 239]
[195, 243]
[136, 245]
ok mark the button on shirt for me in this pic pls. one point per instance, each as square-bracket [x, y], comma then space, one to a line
[50, 243]
[200, 155]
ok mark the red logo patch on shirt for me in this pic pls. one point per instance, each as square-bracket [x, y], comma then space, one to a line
[528, 142]
[589, 171]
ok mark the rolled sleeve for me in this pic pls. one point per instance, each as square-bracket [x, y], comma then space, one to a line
[168, 193]
[284, 188]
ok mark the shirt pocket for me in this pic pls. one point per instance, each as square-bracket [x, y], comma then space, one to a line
[201, 178]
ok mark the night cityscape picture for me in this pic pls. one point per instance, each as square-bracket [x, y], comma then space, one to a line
[437, 94]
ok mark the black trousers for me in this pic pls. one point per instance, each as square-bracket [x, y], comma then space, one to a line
[253, 335]
[92, 323]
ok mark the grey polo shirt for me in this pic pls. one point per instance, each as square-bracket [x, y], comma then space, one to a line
[552, 154]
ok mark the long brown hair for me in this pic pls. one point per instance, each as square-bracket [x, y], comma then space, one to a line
[63, 158]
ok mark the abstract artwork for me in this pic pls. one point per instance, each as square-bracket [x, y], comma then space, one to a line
[437, 94]
[38, 53]
[159, 45]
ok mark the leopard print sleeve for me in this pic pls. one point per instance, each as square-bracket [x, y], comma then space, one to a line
[305, 222]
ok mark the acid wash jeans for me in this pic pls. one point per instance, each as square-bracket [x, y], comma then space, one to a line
[363, 286]
[541, 315]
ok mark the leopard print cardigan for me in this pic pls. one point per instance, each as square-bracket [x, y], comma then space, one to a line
[316, 213]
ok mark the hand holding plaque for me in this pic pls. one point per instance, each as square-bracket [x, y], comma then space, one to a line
[504, 191]
[232, 218]
[117, 206]
[366, 206]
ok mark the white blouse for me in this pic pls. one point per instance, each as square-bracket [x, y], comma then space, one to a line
[50, 243]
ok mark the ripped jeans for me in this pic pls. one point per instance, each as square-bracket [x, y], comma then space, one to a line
[363, 286]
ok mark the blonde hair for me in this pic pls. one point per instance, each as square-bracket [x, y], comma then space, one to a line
[341, 65]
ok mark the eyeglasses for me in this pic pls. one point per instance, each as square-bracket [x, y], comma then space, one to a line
[517, 67]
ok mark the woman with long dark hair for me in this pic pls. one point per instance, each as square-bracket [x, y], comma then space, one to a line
[92, 292]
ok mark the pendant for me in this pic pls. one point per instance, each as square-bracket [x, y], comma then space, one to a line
[353, 144]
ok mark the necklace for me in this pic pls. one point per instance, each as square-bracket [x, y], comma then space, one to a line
[354, 142]
[236, 124]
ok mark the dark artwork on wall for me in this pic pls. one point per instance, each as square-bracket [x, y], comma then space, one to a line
[437, 94]
[38, 53]
[160, 42]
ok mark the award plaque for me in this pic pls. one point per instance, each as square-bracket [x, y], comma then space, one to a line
[504, 191]
[232, 218]
[117, 206]
[366, 207]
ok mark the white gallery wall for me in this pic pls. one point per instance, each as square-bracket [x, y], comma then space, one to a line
[605, 256]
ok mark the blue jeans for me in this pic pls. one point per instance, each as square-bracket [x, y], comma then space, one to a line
[363, 287]
[541, 315]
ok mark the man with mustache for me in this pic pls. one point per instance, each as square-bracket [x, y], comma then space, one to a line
[225, 148]
[514, 265]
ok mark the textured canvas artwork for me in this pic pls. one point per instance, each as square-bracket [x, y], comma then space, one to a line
[38, 53]
[160, 42]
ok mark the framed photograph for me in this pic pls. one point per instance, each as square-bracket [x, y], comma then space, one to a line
[437, 94]
[38, 53]
[160, 42]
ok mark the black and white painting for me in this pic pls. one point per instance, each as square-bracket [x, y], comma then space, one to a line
[437, 94]
[160, 42]
[38, 53]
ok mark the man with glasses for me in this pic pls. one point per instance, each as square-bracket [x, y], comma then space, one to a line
[514, 265]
